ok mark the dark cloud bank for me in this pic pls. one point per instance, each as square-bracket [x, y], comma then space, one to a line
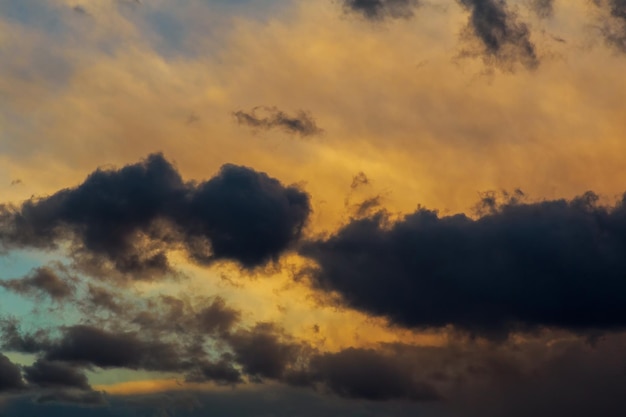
[520, 266]
[131, 216]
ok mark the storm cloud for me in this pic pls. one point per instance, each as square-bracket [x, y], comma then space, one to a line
[130, 217]
[552, 263]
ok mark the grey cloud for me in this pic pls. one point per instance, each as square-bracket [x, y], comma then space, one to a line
[73, 397]
[380, 9]
[263, 352]
[43, 280]
[48, 374]
[10, 376]
[503, 39]
[130, 217]
[520, 266]
[370, 374]
[613, 28]
[87, 345]
[266, 118]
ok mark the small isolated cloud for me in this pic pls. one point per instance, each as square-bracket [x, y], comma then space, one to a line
[359, 180]
[381, 9]
[266, 118]
[43, 280]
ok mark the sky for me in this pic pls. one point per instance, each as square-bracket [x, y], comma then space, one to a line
[313, 208]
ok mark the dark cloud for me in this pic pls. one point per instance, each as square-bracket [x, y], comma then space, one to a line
[263, 351]
[80, 10]
[247, 216]
[16, 340]
[48, 374]
[223, 372]
[564, 378]
[217, 317]
[74, 397]
[10, 375]
[43, 280]
[503, 40]
[367, 206]
[553, 263]
[173, 336]
[614, 26]
[369, 374]
[99, 297]
[206, 317]
[88, 345]
[359, 180]
[130, 217]
[380, 9]
[302, 123]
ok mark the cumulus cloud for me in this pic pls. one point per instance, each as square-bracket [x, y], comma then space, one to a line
[519, 266]
[131, 216]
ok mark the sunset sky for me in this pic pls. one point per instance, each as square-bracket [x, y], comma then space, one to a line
[313, 208]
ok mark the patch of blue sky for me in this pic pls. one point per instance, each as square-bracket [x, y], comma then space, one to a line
[45, 16]
[173, 28]
[31, 313]
[18, 263]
